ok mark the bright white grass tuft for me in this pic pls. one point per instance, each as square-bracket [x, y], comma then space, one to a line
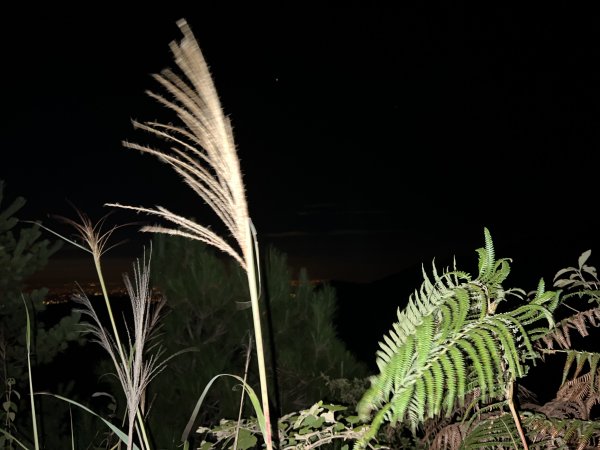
[133, 370]
[203, 153]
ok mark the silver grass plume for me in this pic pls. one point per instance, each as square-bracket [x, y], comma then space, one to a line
[202, 151]
[134, 369]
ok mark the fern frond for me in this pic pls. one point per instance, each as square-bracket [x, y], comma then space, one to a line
[576, 397]
[487, 256]
[584, 388]
[449, 438]
[568, 433]
[497, 432]
[561, 333]
[446, 328]
[564, 409]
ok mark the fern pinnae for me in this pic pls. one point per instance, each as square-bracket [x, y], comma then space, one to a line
[501, 271]
[522, 338]
[460, 371]
[540, 292]
[459, 306]
[488, 258]
[490, 433]
[479, 299]
[580, 359]
[451, 376]
[417, 405]
[527, 314]
[593, 360]
[429, 384]
[399, 404]
[424, 341]
[389, 347]
[514, 334]
[489, 338]
[486, 362]
[439, 379]
[471, 352]
[586, 436]
[504, 337]
[384, 353]
[403, 359]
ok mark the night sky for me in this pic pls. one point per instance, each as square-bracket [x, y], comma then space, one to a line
[371, 140]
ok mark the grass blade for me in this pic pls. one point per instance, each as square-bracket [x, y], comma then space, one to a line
[114, 429]
[251, 394]
[28, 343]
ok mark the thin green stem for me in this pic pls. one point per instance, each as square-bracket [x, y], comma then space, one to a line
[109, 309]
[28, 343]
[262, 373]
[241, 410]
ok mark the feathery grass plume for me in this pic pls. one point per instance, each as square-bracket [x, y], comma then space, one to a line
[203, 153]
[133, 371]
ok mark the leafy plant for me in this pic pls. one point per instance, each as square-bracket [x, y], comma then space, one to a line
[452, 341]
[322, 425]
[317, 426]
[567, 419]
[569, 415]
[9, 412]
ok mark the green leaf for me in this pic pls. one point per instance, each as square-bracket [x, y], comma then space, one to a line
[335, 407]
[583, 258]
[246, 439]
[314, 422]
[352, 419]
[9, 406]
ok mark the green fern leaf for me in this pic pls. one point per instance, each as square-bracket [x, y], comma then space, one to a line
[448, 343]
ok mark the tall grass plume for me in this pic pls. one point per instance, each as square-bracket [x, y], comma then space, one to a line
[202, 151]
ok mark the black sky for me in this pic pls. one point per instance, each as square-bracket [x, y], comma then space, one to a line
[371, 139]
